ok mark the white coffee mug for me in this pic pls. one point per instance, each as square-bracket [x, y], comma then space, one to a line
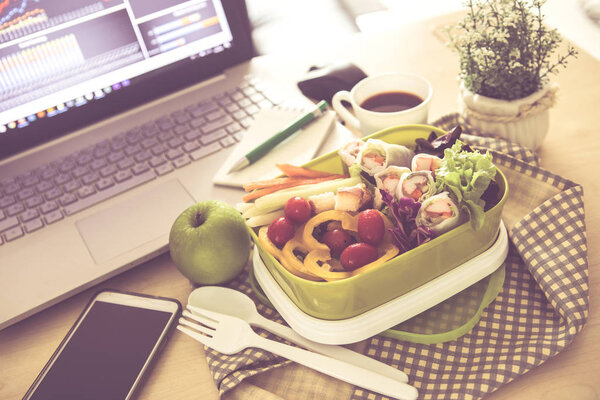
[367, 121]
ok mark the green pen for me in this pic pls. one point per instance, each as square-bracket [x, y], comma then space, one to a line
[274, 140]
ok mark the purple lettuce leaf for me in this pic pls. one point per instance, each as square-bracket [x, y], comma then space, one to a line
[406, 234]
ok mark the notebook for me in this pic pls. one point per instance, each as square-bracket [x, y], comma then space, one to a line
[106, 138]
[298, 149]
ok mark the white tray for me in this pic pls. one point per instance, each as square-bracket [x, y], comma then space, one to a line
[386, 315]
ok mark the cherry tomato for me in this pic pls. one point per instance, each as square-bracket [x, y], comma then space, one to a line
[371, 227]
[280, 231]
[358, 254]
[298, 209]
[337, 240]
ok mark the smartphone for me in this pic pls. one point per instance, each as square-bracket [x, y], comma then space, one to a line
[109, 348]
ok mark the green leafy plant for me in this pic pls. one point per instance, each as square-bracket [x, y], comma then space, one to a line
[506, 51]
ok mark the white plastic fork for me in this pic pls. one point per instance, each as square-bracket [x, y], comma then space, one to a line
[230, 335]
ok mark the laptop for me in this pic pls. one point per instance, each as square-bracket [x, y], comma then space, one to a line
[114, 117]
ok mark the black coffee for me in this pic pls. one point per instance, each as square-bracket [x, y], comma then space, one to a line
[391, 102]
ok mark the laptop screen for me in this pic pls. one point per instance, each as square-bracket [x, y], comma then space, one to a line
[65, 64]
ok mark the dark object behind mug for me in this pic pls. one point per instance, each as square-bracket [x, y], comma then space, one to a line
[321, 83]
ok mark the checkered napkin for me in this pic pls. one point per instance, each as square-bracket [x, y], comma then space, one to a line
[543, 304]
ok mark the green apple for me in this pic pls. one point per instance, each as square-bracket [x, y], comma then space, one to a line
[209, 242]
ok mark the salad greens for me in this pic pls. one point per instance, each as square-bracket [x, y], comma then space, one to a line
[406, 234]
[466, 175]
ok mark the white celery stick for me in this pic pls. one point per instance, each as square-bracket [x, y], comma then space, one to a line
[243, 207]
[264, 219]
[273, 201]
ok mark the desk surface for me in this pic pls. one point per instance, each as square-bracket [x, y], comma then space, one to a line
[570, 150]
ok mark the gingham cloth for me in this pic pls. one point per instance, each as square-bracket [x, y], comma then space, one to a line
[543, 304]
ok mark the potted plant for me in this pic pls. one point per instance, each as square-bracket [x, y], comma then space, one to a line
[506, 57]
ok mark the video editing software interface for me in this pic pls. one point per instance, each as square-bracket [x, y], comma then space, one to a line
[58, 55]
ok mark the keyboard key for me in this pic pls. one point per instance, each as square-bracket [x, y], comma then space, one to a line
[33, 225]
[140, 168]
[15, 209]
[52, 193]
[48, 207]
[115, 156]
[43, 186]
[165, 125]
[252, 109]
[122, 176]
[28, 215]
[133, 136]
[228, 141]
[232, 107]
[132, 149]
[84, 159]
[101, 150]
[90, 178]
[97, 164]
[157, 160]
[181, 161]
[240, 114]
[110, 192]
[149, 142]
[71, 186]
[213, 115]
[118, 143]
[214, 136]
[190, 146]
[175, 142]
[173, 154]
[104, 183]
[25, 193]
[150, 130]
[7, 201]
[48, 173]
[66, 199]
[165, 136]
[34, 201]
[197, 122]
[61, 179]
[192, 135]
[12, 188]
[66, 166]
[126, 163]
[13, 233]
[159, 149]
[53, 216]
[217, 124]
[233, 128]
[30, 181]
[142, 156]
[108, 171]
[245, 102]
[86, 191]
[164, 169]
[205, 151]
[203, 108]
[181, 129]
[238, 136]
[8, 223]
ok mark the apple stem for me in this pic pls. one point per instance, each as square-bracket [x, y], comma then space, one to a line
[199, 219]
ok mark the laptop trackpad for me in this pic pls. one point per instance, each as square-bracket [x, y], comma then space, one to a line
[135, 221]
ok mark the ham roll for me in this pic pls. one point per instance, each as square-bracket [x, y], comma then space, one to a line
[376, 155]
[418, 185]
[439, 213]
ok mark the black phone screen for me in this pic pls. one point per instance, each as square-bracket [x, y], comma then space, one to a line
[105, 354]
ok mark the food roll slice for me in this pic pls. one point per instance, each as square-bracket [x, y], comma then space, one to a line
[439, 213]
[349, 151]
[425, 162]
[388, 180]
[418, 185]
[376, 155]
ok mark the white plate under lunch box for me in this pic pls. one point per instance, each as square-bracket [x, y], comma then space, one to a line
[387, 315]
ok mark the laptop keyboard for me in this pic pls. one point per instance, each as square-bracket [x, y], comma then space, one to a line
[66, 186]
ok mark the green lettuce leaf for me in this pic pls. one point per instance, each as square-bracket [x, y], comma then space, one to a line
[466, 175]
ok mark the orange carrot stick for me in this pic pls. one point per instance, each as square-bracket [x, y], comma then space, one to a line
[292, 183]
[279, 181]
[292, 170]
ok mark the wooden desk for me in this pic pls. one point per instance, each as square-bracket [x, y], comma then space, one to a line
[571, 150]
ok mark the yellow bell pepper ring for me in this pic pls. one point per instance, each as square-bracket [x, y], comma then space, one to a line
[348, 221]
[290, 259]
[318, 262]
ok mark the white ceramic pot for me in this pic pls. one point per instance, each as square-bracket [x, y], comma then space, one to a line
[523, 121]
